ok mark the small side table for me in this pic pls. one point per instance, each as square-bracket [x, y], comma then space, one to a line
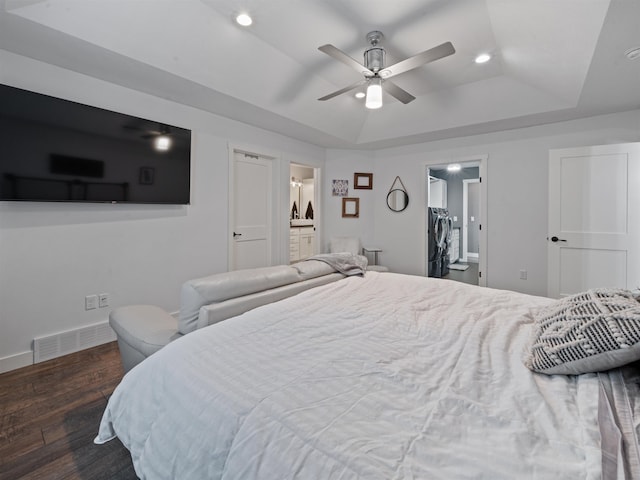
[374, 250]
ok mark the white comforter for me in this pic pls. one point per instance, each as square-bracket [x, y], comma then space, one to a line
[383, 377]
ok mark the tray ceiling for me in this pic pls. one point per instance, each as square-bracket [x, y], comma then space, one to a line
[552, 60]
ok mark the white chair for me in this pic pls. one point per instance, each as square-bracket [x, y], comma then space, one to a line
[352, 245]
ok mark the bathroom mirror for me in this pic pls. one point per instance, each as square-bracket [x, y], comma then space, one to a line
[301, 193]
[397, 200]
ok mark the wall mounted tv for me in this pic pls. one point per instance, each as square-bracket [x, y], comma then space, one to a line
[61, 151]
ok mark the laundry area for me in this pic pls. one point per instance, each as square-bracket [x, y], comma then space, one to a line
[453, 222]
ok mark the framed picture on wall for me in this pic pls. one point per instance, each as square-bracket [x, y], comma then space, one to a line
[340, 188]
[350, 207]
[147, 175]
[363, 181]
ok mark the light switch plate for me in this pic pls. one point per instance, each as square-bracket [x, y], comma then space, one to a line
[103, 300]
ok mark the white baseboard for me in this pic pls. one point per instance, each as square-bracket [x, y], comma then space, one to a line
[16, 361]
[473, 257]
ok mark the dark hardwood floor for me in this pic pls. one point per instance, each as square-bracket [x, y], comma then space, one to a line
[469, 275]
[49, 416]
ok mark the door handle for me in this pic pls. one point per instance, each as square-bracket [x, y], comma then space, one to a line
[555, 239]
[236, 234]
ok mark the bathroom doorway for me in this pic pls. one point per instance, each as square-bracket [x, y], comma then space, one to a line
[303, 212]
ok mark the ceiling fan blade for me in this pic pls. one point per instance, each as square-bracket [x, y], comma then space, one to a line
[346, 59]
[396, 92]
[431, 55]
[343, 90]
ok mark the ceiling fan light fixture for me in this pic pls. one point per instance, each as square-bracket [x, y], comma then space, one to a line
[483, 58]
[162, 143]
[360, 95]
[374, 94]
[244, 19]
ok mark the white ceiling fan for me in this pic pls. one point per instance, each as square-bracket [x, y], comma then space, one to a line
[377, 75]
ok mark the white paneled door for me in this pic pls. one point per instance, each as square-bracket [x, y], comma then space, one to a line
[251, 228]
[594, 218]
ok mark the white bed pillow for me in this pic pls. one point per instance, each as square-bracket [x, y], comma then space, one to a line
[589, 332]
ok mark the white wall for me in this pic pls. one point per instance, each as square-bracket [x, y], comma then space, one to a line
[341, 165]
[517, 194]
[52, 255]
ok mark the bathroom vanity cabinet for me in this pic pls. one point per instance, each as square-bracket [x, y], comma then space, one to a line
[301, 243]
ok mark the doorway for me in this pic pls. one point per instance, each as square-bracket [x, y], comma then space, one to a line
[251, 200]
[594, 230]
[303, 212]
[455, 192]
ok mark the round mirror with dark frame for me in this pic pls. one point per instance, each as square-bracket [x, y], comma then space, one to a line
[397, 200]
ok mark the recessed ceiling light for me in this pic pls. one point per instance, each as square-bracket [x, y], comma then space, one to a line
[244, 19]
[360, 94]
[483, 58]
[633, 53]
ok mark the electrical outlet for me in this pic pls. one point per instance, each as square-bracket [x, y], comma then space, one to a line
[103, 300]
[90, 302]
[523, 274]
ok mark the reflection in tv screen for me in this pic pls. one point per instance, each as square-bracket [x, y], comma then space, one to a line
[62, 151]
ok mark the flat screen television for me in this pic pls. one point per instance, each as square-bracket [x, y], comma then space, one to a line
[62, 151]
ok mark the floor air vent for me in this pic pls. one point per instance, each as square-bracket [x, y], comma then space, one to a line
[52, 346]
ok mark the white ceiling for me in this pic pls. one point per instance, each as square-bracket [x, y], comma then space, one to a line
[552, 60]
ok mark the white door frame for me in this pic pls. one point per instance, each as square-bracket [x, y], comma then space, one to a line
[317, 207]
[465, 213]
[277, 197]
[483, 159]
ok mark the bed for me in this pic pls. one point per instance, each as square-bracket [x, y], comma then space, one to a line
[381, 376]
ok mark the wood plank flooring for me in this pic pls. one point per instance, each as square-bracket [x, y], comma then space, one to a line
[49, 416]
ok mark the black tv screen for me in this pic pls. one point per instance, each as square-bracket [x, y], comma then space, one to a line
[57, 150]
